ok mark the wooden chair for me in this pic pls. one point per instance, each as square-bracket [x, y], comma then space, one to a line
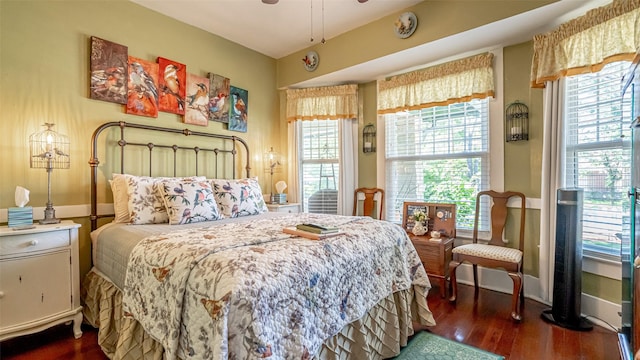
[368, 204]
[494, 254]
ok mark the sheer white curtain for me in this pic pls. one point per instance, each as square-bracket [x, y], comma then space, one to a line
[552, 175]
[293, 162]
[348, 165]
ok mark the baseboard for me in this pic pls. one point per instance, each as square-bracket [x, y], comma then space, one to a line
[599, 311]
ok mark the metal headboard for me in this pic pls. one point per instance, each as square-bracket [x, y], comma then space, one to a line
[122, 143]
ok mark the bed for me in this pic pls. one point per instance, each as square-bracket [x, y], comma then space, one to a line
[193, 266]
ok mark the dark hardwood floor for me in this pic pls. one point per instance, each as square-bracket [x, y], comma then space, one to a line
[485, 324]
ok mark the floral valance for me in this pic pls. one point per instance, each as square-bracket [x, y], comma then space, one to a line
[444, 84]
[327, 103]
[587, 43]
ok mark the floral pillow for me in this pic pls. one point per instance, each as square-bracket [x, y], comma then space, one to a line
[189, 201]
[145, 203]
[239, 197]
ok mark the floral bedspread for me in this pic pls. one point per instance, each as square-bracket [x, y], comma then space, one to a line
[247, 290]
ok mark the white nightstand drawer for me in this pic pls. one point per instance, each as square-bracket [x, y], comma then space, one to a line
[292, 208]
[27, 243]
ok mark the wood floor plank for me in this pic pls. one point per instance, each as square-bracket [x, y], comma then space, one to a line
[485, 324]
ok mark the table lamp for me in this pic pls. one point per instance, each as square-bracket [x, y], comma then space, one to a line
[49, 150]
[272, 165]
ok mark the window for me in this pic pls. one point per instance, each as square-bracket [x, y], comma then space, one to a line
[597, 140]
[438, 154]
[320, 166]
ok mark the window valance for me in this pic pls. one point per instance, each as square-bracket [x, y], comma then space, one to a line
[330, 102]
[587, 43]
[444, 84]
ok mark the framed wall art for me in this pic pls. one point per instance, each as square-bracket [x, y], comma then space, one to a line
[239, 108]
[142, 98]
[197, 100]
[109, 71]
[171, 86]
[219, 89]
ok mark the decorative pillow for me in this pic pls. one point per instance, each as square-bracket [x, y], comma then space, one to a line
[239, 197]
[189, 201]
[145, 203]
[120, 198]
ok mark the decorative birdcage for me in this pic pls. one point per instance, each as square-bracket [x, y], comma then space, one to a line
[369, 139]
[517, 122]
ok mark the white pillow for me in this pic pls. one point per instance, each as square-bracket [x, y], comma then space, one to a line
[145, 203]
[120, 198]
[189, 201]
[239, 197]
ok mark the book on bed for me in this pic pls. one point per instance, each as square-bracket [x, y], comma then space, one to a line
[310, 235]
[317, 228]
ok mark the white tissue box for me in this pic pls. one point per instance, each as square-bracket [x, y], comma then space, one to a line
[20, 216]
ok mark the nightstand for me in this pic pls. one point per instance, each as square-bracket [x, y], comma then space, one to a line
[39, 279]
[292, 208]
[435, 256]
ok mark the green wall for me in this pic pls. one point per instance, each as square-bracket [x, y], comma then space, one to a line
[44, 77]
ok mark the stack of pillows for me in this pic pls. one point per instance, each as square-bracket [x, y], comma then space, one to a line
[156, 200]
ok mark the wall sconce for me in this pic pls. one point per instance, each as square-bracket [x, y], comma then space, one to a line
[49, 150]
[517, 122]
[369, 139]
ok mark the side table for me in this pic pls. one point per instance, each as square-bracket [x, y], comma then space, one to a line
[435, 256]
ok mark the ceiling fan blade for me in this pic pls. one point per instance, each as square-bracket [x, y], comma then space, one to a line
[362, 1]
[271, 1]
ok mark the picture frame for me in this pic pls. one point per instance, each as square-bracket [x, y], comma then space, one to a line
[442, 216]
[407, 213]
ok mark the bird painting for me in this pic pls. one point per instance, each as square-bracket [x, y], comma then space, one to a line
[109, 72]
[197, 100]
[172, 85]
[142, 91]
[219, 90]
[239, 109]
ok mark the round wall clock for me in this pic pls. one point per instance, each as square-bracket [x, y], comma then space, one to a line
[311, 60]
[405, 25]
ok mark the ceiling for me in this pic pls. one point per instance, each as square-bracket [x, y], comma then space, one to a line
[281, 29]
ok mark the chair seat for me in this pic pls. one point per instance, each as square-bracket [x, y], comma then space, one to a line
[493, 252]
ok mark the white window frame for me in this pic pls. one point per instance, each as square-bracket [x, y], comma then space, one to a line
[496, 134]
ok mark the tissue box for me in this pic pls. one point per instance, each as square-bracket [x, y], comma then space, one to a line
[278, 198]
[20, 216]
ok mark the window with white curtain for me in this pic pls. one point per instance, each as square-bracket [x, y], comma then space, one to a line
[319, 157]
[438, 154]
[597, 139]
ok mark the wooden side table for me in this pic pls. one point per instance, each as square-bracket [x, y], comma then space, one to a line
[435, 256]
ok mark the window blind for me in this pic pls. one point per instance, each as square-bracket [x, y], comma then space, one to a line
[598, 154]
[438, 154]
[319, 157]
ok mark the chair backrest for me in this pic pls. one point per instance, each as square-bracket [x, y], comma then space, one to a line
[499, 215]
[369, 202]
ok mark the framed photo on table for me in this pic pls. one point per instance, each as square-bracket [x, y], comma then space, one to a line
[409, 209]
[442, 217]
